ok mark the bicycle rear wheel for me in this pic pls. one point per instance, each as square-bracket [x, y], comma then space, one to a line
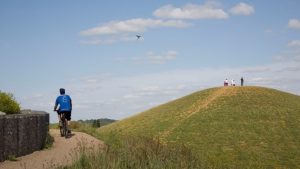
[63, 126]
[61, 129]
[65, 130]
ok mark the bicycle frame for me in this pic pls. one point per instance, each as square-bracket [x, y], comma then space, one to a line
[63, 128]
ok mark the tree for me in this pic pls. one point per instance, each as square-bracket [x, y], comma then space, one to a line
[98, 123]
[8, 104]
[94, 124]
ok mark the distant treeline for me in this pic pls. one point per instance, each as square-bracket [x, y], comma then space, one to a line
[97, 122]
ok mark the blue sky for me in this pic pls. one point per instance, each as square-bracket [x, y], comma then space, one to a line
[90, 48]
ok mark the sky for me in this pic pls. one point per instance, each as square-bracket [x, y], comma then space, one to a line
[90, 48]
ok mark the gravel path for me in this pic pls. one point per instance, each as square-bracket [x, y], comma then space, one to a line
[62, 152]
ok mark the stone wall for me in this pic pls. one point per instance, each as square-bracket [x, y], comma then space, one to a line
[22, 134]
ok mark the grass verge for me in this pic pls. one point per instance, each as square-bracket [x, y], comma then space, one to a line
[136, 153]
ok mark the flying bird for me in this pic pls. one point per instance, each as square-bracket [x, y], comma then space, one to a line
[138, 37]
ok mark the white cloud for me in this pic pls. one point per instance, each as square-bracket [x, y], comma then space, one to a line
[242, 9]
[280, 58]
[294, 24]
[119, 96]
[137, 25]
[97, 41]
[106, 40]
[168, 16]
[162, 58]
[297, 59]
[257, 69]
[290, 54]
[191, 11]
[154, 58]
[130, 96]
[125, 31]
[291, 68]
[294, 43]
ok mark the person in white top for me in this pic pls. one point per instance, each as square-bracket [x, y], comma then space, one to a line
[232, 82]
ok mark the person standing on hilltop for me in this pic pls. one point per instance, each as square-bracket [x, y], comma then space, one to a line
[232, 82]
[226, 82]
[242, 81]
[65, 107]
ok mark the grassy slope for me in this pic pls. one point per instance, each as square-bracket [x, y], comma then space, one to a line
[228, 126]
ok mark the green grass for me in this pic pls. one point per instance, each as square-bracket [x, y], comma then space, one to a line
[48, 143]
[79, 126]
[136, 153]
[228, 127]
[12, 158]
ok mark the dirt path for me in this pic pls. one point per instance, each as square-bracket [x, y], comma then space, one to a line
[60, 153]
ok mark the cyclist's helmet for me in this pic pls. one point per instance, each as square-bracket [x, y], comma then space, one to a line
[62, 91]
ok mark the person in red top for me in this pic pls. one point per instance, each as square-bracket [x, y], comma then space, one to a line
[226, 82]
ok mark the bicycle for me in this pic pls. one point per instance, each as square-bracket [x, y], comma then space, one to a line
[63, 126]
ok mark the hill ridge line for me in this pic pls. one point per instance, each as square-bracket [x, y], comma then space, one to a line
[196, 107]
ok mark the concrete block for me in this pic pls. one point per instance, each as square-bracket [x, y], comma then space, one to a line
[22, 134]
[11, 135]
[2, 147]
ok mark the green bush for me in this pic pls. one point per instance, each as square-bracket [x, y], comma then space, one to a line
[48, 141]
[8, 104]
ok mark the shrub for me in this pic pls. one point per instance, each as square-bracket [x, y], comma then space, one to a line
[96, 123]
[12, 158]
[75, 125]
[8, 104]
[48, 141]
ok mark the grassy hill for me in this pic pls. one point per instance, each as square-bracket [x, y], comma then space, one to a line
[229, 127]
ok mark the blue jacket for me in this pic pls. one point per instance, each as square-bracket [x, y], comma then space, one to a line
[64, 102]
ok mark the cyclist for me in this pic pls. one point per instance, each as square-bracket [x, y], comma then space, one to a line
[65, 107]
